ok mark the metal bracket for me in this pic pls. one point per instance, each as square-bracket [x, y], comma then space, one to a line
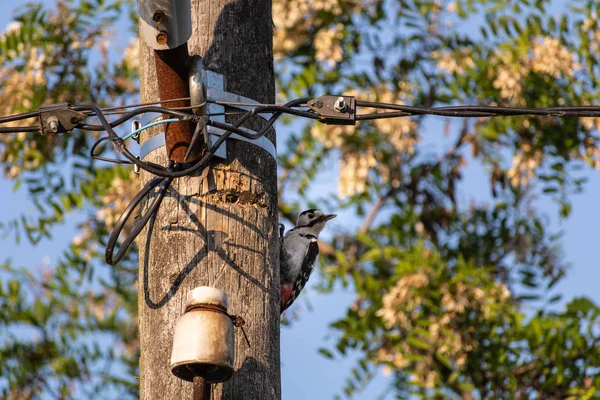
[218, 95]
[155, 142]
[335, 110]
[215, 81]
[165, 24]
[59, 118]
[261, 142]
[208, 87]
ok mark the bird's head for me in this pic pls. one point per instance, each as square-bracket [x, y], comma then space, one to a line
[314, 220]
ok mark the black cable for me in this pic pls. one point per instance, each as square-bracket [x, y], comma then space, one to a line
[150, 109]
[19, 117]
[180, 109]
[401, 111]
[119, 161]
[140, 222]
[157, 170]
[382, 115]
[568, 111]
[150, 103]
[102, 127]
[18, 129]
[106, 159]
[474, 111]
[112, 160]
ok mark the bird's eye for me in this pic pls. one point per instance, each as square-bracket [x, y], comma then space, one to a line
[311, 215]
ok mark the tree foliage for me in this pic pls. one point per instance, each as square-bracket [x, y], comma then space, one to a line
[68, 328]
[454, 296]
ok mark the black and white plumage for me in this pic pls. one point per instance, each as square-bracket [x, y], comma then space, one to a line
[299, 251]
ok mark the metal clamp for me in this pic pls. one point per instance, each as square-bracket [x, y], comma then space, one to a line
[335, 110]
[59, 118]
[218, 95]
[208, 87]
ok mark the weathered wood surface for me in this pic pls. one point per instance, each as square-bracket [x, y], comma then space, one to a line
[219, 228]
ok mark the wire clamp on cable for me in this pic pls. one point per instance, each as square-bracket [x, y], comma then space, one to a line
[59, 118]
[335, 110]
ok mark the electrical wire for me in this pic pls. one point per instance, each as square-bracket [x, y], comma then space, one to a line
[157, 170]
[140, 222]
[94, 112]
[240, 103]
[142, 110]
[20, 117]
[457, 111]
[105, 110]
[18, 129]
[150, 103]
[473, 111]
[108, 127]
[400, 111]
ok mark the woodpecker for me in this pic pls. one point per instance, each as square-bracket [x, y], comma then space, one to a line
[299, 251]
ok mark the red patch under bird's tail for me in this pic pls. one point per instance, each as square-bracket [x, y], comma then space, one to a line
[285, 292]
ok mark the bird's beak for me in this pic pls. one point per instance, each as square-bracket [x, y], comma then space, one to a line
[327, 217]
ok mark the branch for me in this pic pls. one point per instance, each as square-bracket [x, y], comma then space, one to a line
[376, 208]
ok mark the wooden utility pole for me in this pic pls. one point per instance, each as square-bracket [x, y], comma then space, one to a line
[218, 228]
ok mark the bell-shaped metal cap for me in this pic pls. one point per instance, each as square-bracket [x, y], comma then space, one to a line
[203, 340]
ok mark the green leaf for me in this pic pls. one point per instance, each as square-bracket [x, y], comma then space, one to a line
[326, 353]
[40, 312]
[418, 343]
[444, 360]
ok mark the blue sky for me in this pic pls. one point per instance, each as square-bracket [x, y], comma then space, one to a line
[306, 374]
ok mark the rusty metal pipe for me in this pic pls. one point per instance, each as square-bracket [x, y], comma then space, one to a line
[202, 388]
[172, 75]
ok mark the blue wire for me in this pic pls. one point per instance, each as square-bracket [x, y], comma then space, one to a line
[150, 125]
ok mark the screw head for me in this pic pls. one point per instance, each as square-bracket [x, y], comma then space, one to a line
[159, 17]
[162, 37]
[318, 104]
[75, 120]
